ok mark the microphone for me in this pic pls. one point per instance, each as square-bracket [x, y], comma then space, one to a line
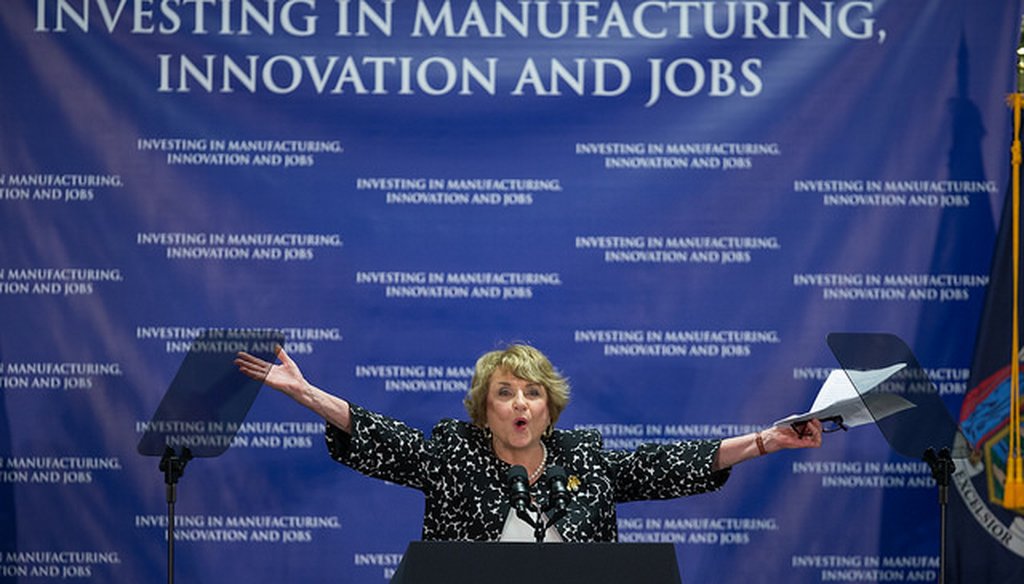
[518, 483]
[555, 477]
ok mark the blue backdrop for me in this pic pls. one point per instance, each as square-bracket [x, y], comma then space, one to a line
[676, 201]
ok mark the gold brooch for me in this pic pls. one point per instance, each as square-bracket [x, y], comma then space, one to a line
[572, 483]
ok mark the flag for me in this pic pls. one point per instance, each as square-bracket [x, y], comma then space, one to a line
[986, 540]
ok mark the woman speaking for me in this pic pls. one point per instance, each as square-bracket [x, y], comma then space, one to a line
[514, 401]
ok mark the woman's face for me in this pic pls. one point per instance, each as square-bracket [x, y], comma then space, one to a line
[517, 412]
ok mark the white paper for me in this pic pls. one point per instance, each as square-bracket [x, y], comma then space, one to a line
[854, 401]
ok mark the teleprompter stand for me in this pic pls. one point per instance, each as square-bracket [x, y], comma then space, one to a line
[925, 431]
[427, 562]
[173, 466]
[203, 407]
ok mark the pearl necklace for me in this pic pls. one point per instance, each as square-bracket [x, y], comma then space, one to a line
[542, 466]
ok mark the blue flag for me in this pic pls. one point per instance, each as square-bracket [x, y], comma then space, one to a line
[986, 540]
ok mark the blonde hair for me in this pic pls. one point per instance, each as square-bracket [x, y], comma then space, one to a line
[525, 362]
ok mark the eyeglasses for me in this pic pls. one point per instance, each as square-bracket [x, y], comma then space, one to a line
[833, 424]
[828, 425]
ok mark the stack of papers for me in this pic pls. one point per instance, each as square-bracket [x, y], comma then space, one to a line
[851, 396]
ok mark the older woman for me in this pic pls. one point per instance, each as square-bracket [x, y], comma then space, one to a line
[515, 398]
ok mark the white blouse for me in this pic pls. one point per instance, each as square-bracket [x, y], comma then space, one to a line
[518, 530]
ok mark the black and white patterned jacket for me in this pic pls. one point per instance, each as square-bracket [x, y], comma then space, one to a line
[464, 482]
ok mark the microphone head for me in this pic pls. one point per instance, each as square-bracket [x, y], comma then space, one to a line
[516, 473]
[555, 473]
[518, 483]
[556, 479]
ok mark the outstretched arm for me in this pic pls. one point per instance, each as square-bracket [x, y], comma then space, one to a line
[287, 378]
[739, 448]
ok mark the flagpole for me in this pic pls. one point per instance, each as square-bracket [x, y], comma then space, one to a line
[1013, 488]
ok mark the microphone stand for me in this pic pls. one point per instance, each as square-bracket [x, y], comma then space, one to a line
[538, 524]
[540, 527]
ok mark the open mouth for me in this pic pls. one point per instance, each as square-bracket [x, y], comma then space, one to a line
[520, 423]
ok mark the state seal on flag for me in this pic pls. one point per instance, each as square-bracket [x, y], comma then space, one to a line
[980, 479]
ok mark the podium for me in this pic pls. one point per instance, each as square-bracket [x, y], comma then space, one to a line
[430, 562]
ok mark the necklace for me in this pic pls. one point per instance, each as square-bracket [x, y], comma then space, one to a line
[542, 466]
